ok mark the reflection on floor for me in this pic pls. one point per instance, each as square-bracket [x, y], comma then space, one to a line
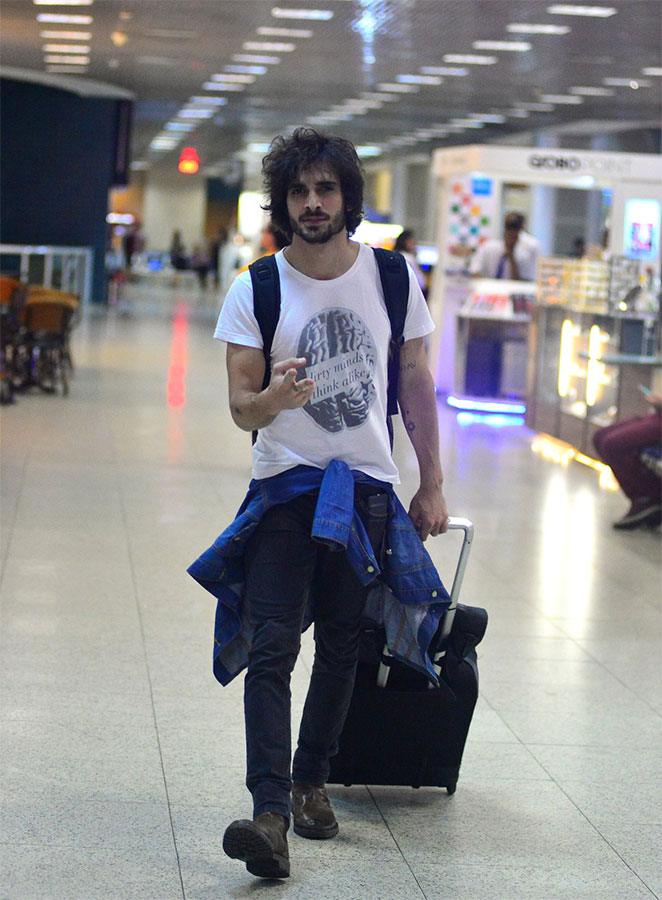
[122, 759]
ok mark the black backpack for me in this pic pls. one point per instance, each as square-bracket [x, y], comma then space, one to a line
[394, 277]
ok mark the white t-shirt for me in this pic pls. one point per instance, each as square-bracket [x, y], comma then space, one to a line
[342, 328]
[485, 262]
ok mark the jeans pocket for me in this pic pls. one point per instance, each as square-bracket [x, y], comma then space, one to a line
[373, 510]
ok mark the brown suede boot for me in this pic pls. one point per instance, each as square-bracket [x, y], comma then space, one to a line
[261, 844]
[312, 813]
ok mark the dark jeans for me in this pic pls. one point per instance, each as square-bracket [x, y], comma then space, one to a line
[620, 446]
[283, 565]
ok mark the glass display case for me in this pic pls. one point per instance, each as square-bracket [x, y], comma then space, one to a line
[586, 369]
[492, 339]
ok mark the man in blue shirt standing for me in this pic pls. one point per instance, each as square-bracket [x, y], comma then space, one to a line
[321, 423]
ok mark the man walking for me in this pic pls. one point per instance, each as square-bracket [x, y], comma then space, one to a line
[320, 526]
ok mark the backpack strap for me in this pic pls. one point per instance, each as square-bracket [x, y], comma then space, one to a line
[394, 276]
[266, 306]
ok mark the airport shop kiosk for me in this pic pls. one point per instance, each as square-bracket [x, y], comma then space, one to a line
[480, 346]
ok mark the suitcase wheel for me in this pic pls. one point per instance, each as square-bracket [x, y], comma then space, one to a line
[451, 788]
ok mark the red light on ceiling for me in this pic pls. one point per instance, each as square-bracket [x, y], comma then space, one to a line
[189, 161]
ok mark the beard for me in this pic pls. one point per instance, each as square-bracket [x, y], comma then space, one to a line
[319, 234]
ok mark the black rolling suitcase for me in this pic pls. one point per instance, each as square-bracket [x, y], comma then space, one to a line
[400, 729]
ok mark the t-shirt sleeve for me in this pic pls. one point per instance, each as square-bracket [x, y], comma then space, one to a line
[236, 322]
[418, 322]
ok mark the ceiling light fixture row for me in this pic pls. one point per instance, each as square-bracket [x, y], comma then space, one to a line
[244, 70]
[65, 58]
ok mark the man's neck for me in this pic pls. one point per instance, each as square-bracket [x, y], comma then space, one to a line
[322, 261]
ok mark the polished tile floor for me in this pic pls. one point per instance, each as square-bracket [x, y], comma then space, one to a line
[122, 759]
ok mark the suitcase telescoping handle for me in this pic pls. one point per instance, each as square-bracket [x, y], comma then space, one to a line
[454, 524]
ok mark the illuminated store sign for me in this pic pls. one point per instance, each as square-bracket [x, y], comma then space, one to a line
[586, 165]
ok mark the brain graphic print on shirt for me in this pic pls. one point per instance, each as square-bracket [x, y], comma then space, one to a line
[340, 358]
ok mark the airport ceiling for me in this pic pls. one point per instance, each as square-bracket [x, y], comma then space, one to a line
[397, 77]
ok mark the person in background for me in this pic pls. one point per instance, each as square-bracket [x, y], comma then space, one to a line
[322, 458]
[215, 253]
[578, 248]
[514, 256]
[620, 446]
[271, 241]
[405, 243]
[200, 264]
[178, 258]
[129, 246]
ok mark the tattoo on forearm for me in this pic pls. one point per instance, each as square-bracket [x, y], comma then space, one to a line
[409, 424]
[408, 366]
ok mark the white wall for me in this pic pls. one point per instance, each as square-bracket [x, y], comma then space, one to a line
[171, 202]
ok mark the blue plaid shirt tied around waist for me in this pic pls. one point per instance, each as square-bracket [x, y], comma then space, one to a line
[405, 595]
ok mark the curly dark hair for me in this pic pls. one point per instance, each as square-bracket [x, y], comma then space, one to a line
[290, 155]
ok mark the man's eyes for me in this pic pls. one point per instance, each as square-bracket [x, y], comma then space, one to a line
[320, 189]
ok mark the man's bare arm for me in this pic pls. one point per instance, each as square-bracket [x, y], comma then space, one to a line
[418, 406]
[253, 408]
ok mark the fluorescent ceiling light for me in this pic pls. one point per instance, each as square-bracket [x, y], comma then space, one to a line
[451, 71]
[236, 79]
[58, 19]
[221, 86]
[63, 2]
[254, 58]
[247, 70]
[470, 60]
[268, 31]
[528, 28]
[258, 148]
[196, 113]
[368, 150]
[367, 104]
[354, 110]
[509, 46]
[398, 88]
[652, 71]
[274, 46]
[418, 79]
[374, 95]
[69, 60]
[561, 99]
[626, 82]
[492, 118]
[598, 12]
[180, 126]
[315, 14]
[63, 70]
[592, 91]
[214, 101]
[66, 48]
[467, 123]
[517, 113]
[536, 107]
[66, 35]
